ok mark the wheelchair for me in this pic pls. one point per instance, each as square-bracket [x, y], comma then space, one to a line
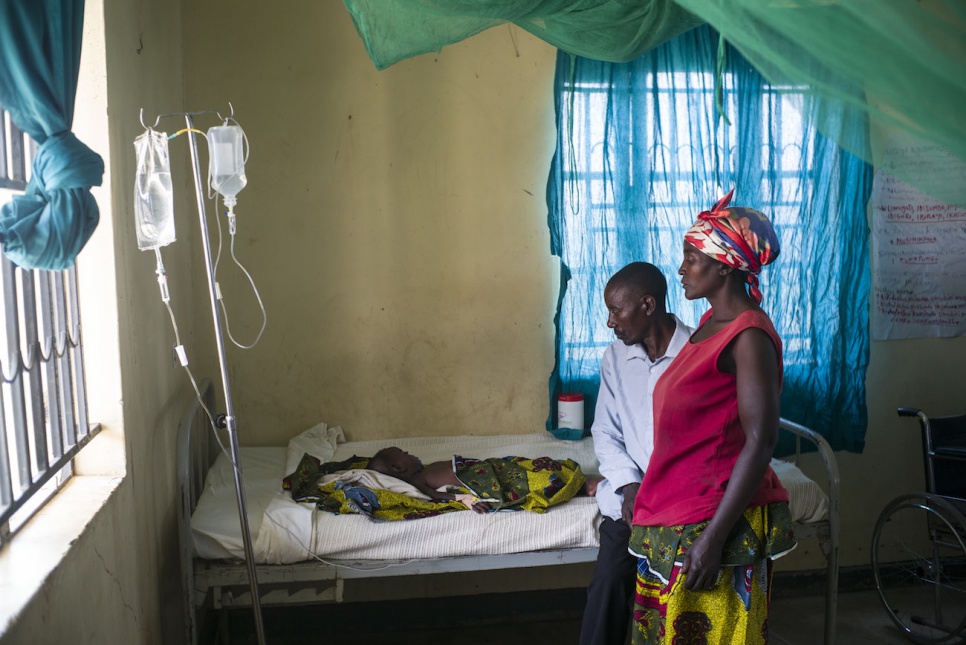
[919, 543]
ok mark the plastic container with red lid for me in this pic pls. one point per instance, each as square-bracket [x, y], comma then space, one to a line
[570, 410]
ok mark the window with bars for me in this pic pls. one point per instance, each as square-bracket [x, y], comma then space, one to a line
[43, 407]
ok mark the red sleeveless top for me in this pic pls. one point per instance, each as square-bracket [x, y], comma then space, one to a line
[698, 435]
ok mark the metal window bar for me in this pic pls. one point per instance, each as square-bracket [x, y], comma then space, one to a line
[13, 154]
[43, 397]
[43, 410]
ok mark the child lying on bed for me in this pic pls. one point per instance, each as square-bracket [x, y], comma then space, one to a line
[356, 485]
[495, 483]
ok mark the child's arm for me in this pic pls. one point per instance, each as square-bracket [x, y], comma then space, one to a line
[468, 501]
[428, 490]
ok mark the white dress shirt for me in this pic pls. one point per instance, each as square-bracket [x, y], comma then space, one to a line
[623, 427]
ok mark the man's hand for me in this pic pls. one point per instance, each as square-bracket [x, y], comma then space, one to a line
[629, 492]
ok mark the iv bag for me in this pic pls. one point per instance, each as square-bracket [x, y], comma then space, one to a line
[227, 160]
[153, 194]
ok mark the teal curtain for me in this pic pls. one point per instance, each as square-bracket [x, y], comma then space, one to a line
[40, 47]
[644, 146]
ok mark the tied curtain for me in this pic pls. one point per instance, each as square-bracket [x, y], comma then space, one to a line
[644, 146]
[900, 63]
[40, 47]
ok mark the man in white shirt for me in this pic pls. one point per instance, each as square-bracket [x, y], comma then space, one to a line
[648, 338]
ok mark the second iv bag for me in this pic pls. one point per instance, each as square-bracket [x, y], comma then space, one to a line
[153, 194]
[227, 161]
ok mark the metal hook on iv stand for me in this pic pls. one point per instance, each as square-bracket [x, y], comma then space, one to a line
[222, 363]
[144, 125]
[157, 119]
[230, 116]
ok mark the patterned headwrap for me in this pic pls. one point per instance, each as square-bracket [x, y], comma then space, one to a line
[740, 237]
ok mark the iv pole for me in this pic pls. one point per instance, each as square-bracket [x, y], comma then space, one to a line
[223, 366]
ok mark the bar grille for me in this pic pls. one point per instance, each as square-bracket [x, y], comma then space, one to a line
[43, 404]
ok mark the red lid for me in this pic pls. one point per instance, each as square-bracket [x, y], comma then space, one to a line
[570, 396]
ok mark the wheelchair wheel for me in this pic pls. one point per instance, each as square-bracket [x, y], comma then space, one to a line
[919, 562]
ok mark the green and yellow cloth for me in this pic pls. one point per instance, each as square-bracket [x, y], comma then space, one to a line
[512, 483]
[735, 609]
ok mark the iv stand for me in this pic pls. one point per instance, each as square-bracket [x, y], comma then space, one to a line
[223, 366]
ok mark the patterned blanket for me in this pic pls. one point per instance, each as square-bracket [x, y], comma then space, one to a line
[512, 483]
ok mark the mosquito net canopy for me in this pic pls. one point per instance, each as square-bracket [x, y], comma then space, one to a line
[902, 63]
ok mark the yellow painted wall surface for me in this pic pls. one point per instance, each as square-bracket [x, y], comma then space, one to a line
[395, 224]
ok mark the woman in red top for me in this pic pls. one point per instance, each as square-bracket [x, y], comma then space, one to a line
[710, 513]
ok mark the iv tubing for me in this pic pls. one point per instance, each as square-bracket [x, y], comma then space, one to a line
[254, 290]
[251, 280]
[230, 411]
[163, 284]
[183, 130]
[179, 348]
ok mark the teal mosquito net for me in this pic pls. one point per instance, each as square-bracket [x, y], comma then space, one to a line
[901, 62]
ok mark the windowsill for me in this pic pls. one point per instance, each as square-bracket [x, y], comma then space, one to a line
[30, 556]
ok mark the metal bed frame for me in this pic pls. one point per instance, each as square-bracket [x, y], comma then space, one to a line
[826, 532]
[218, 584]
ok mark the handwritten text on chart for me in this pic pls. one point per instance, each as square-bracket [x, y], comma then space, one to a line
[919, 244]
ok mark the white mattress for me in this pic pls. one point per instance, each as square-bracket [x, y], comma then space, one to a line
[284, 531]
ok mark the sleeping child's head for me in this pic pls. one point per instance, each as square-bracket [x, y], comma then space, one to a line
[395, 462]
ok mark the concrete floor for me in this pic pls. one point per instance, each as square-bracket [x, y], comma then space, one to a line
[794, 621]
[862, 620]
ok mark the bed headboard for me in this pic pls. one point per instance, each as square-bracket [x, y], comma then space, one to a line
[196, 452]
[196, 449]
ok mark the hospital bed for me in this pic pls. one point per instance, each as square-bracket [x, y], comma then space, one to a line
[305, 556]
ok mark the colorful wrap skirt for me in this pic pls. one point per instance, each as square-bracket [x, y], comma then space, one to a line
[735, 610]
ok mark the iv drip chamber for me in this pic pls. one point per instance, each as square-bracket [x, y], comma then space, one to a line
[153, 193]
[227, 161]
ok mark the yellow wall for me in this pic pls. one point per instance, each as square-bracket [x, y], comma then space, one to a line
[395, 224]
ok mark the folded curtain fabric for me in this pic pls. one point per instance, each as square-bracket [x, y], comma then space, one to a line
[40, 46]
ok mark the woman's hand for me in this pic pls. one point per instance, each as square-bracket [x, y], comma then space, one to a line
[702, 563]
